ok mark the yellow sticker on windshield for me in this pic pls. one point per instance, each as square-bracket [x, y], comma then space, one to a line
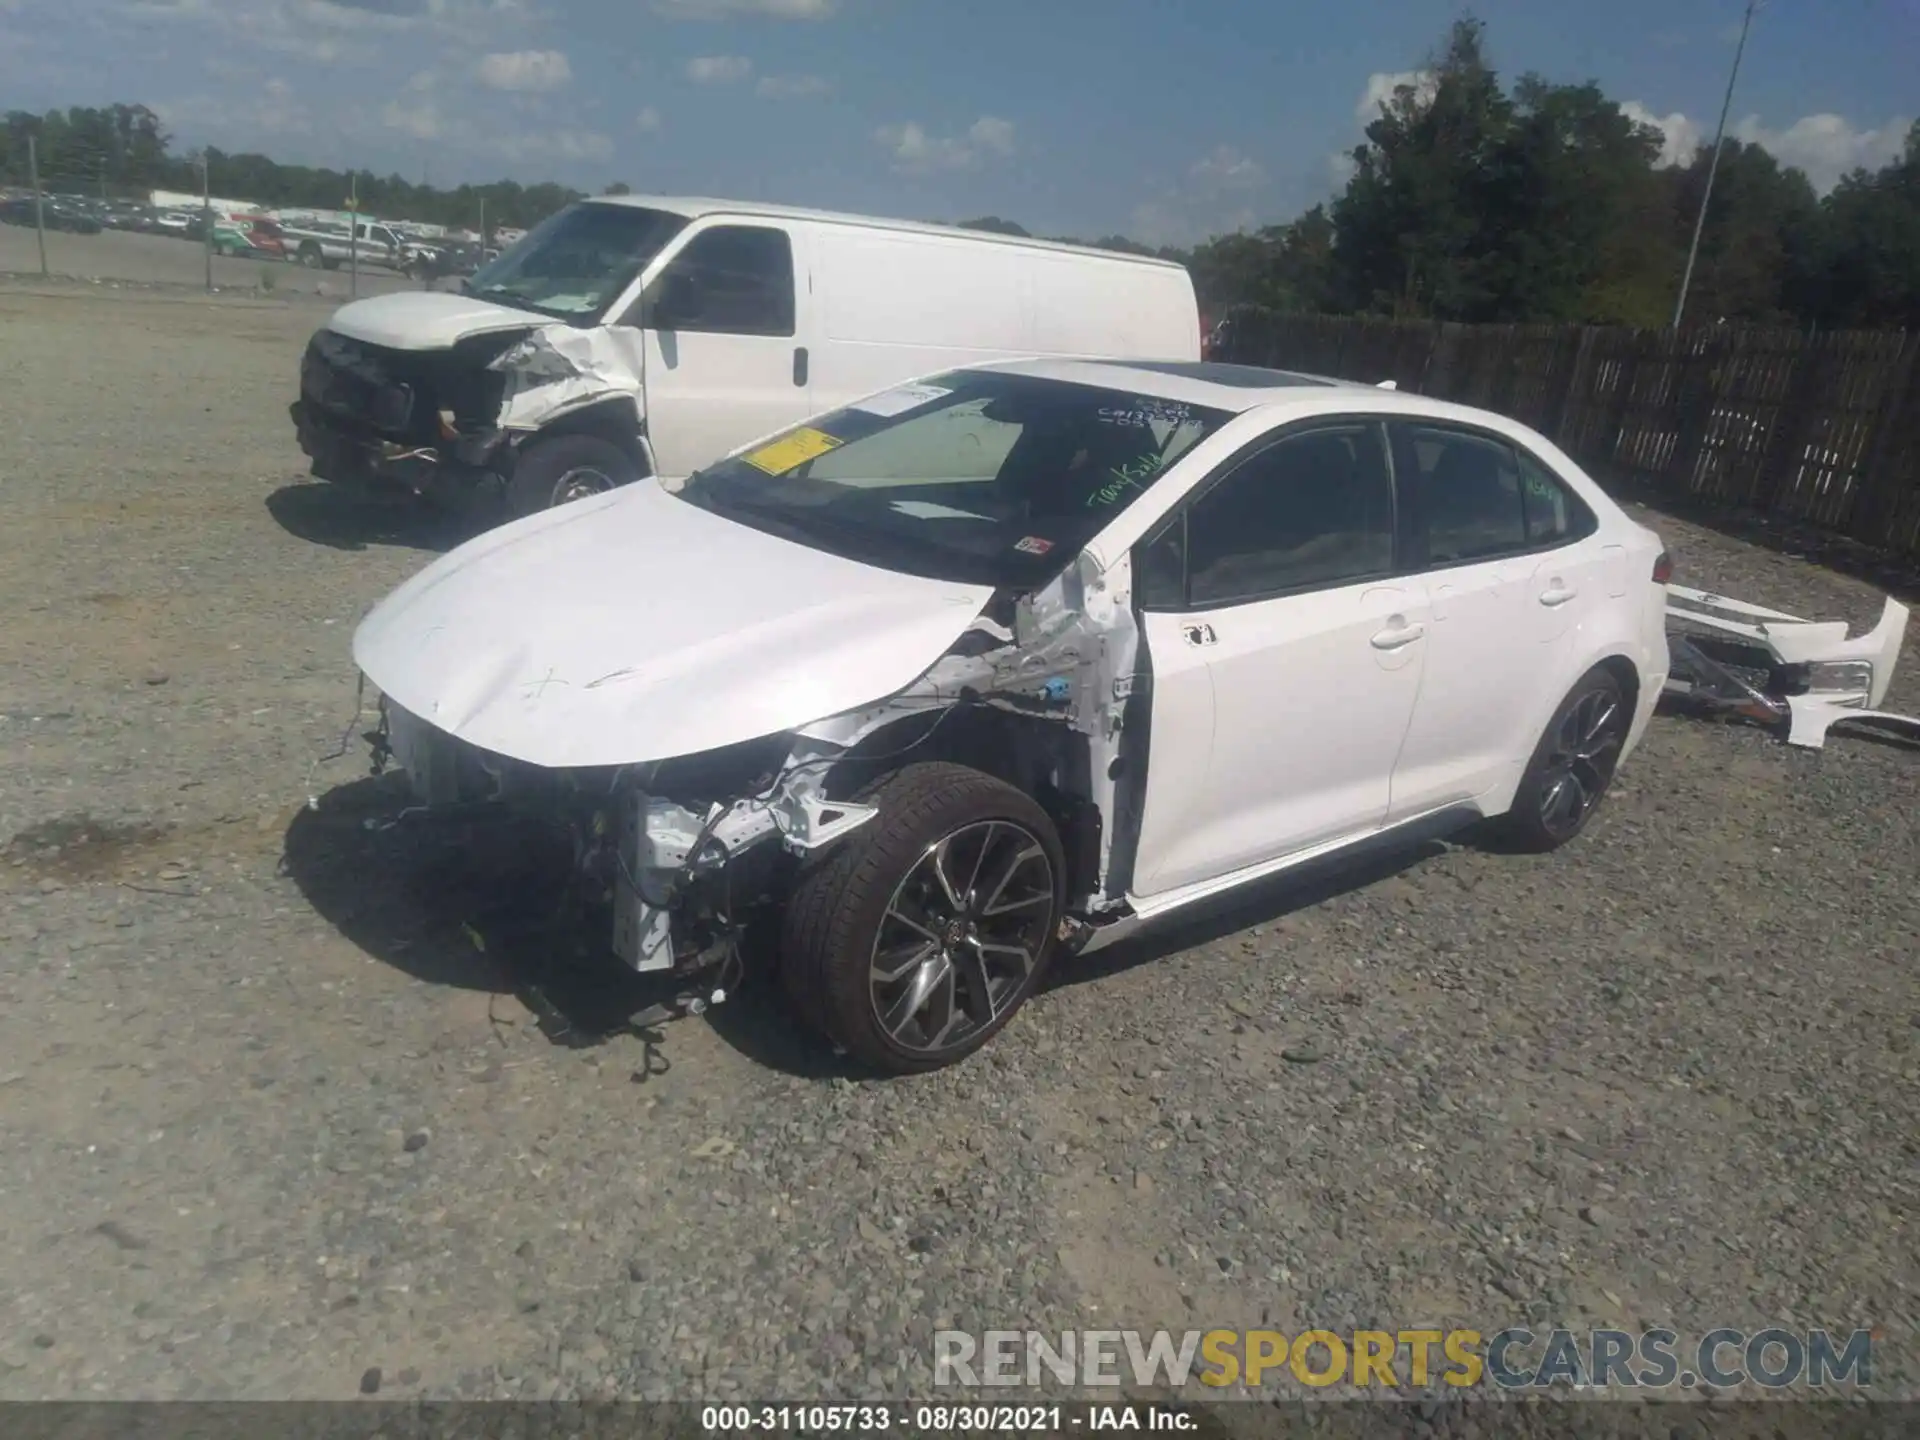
[790, 452]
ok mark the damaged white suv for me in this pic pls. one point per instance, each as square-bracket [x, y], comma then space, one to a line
[1008, 661]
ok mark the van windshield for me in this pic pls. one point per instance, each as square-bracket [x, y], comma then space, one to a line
[976, 476]
[574, 264]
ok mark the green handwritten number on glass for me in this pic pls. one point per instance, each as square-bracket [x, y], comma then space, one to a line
[1125, 477]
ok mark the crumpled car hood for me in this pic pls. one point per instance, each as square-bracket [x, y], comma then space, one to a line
[426, 319]
[635, 626]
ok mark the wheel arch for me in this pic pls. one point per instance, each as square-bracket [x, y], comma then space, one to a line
[1041, 757]
[613, 418]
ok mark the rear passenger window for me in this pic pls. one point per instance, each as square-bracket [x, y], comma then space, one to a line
[1555, 515]
[734, 280]
[1482, 498]
[1312, 511]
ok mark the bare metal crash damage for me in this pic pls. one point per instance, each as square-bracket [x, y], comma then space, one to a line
[437, 392]
[1800, 677]
[682, 811]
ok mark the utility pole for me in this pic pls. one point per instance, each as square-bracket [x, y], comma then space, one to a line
[1713, 166]
[353, 232]
[206, 215]
[39, 206]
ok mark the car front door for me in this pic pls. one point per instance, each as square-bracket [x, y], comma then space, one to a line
[724, 357]
[1503, 546]
[1285, 654]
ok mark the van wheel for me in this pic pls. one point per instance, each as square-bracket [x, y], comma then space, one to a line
[1572, 767]
[565, 468]
[912, 942]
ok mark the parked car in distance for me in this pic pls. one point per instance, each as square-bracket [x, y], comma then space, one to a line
[638, 335]
[249, 235]
[1011, 660]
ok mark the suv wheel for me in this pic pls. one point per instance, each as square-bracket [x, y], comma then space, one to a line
[913, 941]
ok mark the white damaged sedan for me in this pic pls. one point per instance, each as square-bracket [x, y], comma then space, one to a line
[1004, 663]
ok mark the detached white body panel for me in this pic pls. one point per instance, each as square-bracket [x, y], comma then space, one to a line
[1842, 678]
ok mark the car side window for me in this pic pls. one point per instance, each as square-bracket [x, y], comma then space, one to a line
[1470, 495]
[730, 280]
[1555, 515]
[1311, 511]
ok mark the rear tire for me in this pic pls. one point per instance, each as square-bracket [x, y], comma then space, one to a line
[877, 954]
[566, 467]
[1572, 767]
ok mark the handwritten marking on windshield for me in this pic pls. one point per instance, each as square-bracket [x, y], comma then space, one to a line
[1125, 477]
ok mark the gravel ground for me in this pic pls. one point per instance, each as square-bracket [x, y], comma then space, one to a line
[119, 257]
[275, 1112]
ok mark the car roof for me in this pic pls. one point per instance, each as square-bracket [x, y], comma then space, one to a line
[1210, 383]
[1240, 389]
[698, 207]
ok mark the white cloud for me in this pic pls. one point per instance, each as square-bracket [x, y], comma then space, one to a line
[735, 9]
[1218, 194]
[545, 146]
[1383, 85]
[793, 87]
[524, 70]
[647, 121]
[718, 69]
[1679, 136]
[419, 121]
[1227, 169]
[915, 152]
[1825, 146]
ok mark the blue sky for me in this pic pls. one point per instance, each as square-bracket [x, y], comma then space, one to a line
[1165, 119]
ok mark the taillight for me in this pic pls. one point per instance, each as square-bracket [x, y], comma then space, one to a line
[1663, 569]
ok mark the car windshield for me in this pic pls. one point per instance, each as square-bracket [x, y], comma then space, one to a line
[977, 476]
[574, 264]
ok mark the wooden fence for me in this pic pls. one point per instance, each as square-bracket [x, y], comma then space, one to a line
[1820, 429]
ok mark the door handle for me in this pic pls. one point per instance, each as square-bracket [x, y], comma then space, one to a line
[800, 365]
[1398, 637]
[1557, 594]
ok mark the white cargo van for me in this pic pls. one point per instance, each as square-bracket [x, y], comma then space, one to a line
[639, 335]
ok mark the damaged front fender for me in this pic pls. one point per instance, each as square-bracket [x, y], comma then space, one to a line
[558, 369]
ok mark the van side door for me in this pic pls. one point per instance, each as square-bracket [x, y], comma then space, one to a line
[724, 342]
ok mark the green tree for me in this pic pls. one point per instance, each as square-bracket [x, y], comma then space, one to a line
[1760, 218]
[1859, 265]
[1409, 225]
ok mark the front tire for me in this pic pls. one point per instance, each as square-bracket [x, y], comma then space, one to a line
[1572, 766]
[565, 468]
[912, 942]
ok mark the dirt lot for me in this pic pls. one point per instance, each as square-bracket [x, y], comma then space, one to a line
[269, 1116]
[148, 260]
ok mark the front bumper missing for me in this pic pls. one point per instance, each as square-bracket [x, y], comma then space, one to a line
[1797, 676]
[674, 876]
[348, 457]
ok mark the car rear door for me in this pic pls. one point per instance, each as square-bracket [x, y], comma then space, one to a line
[725, 351]
[1285, 653]
[1511, 570]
